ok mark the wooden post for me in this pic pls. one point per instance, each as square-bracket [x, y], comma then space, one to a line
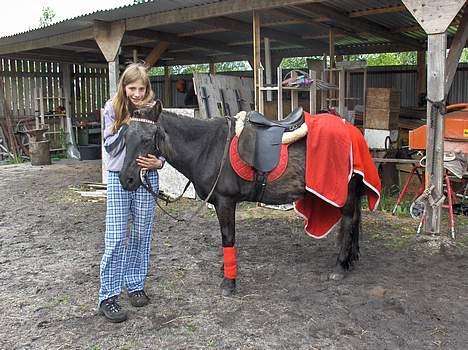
[331, 73]
[341, 92]
[435, 17]
[70, 141]
[313, 93]
[113, 76]
[437, 45]
[212, 68]
[323, 93]
[256, 23]
[421, 73]
[167, 87]
[279, 74]
[108, 37]
[268, 79]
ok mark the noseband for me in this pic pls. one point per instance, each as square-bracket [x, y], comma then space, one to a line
[147, 121]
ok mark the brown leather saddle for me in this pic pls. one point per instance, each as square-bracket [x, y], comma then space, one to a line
[260, 143]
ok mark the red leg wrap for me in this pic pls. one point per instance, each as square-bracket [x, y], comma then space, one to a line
[230, 268]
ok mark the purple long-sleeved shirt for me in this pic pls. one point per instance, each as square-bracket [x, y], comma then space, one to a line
[114, 144]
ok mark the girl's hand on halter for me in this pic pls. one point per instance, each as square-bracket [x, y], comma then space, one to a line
[149, 162]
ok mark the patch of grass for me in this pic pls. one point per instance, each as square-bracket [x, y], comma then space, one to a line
[13, 160]
[212, 343]
[388, 199]
[65, 195]
[191, 327]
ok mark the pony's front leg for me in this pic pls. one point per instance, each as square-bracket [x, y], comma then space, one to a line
[226, 212]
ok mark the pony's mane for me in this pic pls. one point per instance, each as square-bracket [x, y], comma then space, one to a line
[193, 124]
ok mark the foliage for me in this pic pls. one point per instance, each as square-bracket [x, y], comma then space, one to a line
[233, 66]
[47, 16]
[296, 62]
[380, 59]
[203, 68]
[464, 56]
[387, 59]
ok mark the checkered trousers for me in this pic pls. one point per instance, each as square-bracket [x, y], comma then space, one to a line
[129, 227]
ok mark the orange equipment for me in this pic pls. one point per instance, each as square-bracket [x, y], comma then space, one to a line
[455, 134]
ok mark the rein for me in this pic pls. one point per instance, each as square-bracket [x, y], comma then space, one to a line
[148, 187]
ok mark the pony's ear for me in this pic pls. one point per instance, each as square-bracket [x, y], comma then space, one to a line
[157, 108]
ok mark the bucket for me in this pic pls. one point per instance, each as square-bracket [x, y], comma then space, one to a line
[39, 153]
[90, 152]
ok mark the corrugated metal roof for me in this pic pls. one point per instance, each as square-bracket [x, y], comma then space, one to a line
[299, 29]
[109, 15]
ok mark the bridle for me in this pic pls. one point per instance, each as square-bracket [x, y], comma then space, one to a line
[147, 185]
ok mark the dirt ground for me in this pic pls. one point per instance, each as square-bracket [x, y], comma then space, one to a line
[406, 292]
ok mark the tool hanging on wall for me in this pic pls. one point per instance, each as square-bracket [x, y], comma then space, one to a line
[226, 109]
[205, 97]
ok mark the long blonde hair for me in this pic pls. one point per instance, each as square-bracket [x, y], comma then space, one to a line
[133, 73]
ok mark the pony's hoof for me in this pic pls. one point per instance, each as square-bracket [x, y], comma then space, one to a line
[336, 276]
[228, 287]
[339, 272]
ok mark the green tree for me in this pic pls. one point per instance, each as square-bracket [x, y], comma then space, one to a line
[387, 59]
[464, 56]
[47, 16]
[237, 66]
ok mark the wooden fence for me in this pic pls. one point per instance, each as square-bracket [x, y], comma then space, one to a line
[36, 93]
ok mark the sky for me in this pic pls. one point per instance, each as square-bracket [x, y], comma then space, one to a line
[21, 15]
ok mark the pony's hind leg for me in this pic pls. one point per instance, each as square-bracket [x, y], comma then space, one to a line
[348, 237]
[355, 231]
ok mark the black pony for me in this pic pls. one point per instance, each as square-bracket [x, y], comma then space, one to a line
[196, 149]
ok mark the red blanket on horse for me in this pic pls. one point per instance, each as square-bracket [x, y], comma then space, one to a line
[335, 150]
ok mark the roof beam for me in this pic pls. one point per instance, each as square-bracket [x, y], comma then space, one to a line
[378, 11]
[243, 27]
[50, 41]
[57, 55]
[171, 59]
[313, 20]
[360, 25]
[458, 43]
[202, 32]
[187, 14]
[191, 42]
[221, 8]
[156, 53]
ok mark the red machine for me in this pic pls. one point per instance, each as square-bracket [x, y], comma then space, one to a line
[455, 140]
[455, 134]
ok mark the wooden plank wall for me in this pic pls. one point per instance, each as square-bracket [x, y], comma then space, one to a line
[89, 92]
[24, 80]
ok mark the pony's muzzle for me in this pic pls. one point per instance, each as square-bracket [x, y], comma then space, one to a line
[129, 183]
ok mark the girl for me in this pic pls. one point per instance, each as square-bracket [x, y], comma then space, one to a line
[127, 247]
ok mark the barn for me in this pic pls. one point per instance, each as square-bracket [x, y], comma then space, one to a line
[408, 290]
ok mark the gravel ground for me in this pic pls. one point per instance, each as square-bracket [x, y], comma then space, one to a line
[406, 292]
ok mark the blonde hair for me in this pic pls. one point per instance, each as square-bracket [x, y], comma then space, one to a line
[133, 73]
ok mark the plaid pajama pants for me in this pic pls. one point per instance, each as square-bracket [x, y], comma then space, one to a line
[129, 228]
